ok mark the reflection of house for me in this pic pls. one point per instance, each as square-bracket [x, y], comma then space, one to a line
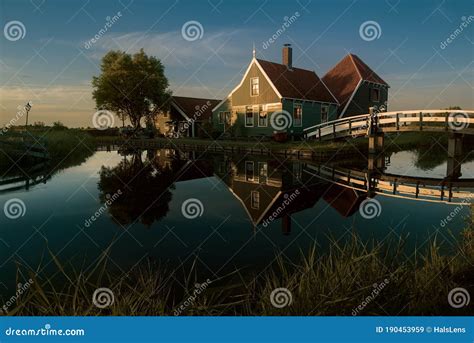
[186, 117]
[184, 163]
[344, 200]
[267, 89]
[269, 190]
[356, 86]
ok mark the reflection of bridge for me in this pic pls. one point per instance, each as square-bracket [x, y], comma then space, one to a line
[25, 179]
[406, 121]
[458, 191]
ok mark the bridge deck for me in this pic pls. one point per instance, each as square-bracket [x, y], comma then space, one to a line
[405, 121]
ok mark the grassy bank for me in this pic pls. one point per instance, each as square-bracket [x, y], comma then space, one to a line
[66, 147]
[340, 282]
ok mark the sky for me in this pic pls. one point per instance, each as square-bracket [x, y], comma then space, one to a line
[50, 60]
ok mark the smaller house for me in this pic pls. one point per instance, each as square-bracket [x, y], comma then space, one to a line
[356, 86]
[186, 117]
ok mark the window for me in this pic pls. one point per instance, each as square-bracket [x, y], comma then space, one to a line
[262, 117]
[249, 116]
[297, 114]
[255, 200]
[224, 117]
[262, 172]
[227, 118]
[324, 113]
[375, 95]
[254, 87]
[249, 171]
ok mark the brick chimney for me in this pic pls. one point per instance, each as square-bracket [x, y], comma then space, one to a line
[287, 55]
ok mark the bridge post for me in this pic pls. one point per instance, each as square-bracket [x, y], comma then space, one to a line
[454, 155]
[376, 138]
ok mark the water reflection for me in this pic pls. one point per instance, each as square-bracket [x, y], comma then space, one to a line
[267, 188]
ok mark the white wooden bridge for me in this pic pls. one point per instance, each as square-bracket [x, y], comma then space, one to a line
[454, 121]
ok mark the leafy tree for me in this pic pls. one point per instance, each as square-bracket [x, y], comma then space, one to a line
[57, 125]
[132, 86]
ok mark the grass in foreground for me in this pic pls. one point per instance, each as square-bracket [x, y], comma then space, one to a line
[340, 282]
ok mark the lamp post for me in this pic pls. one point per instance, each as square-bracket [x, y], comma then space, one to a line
[27, 109]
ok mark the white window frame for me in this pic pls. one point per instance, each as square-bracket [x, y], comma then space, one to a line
[255, 205]
[253, 171]
[221, 119]
[327, 113]
[264, 110]
[260, 176]
[295, 104]
[251, 86]
[253, 116]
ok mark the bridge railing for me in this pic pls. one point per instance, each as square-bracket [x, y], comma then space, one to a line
[416, 120]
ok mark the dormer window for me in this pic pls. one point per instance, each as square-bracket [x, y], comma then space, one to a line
[254, 86]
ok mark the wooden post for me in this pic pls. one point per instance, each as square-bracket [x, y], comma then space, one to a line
[397, 118]
[421, 121]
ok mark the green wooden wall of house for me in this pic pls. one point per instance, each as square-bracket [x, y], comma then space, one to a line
[235, 106]
[362, 99]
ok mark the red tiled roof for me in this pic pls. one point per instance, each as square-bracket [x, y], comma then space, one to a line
[192, 106]
[296, 83]
[344, 77]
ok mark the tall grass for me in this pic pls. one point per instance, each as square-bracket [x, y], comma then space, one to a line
[334, 283]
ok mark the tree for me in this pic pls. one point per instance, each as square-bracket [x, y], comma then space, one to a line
[132, 86]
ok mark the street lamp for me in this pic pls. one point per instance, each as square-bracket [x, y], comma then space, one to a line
[27, 109]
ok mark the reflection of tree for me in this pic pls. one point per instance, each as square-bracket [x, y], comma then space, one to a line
[145, 188]
[428, 159]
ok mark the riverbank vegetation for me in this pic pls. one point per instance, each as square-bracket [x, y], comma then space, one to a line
[352, 278]
[66, 148]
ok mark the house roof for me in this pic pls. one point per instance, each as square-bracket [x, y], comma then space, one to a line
[345, 76]
[192, 106]
[297, 83]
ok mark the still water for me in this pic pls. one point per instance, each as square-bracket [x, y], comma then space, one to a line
[223, 212]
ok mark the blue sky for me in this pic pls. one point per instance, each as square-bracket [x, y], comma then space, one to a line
[51, 66]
